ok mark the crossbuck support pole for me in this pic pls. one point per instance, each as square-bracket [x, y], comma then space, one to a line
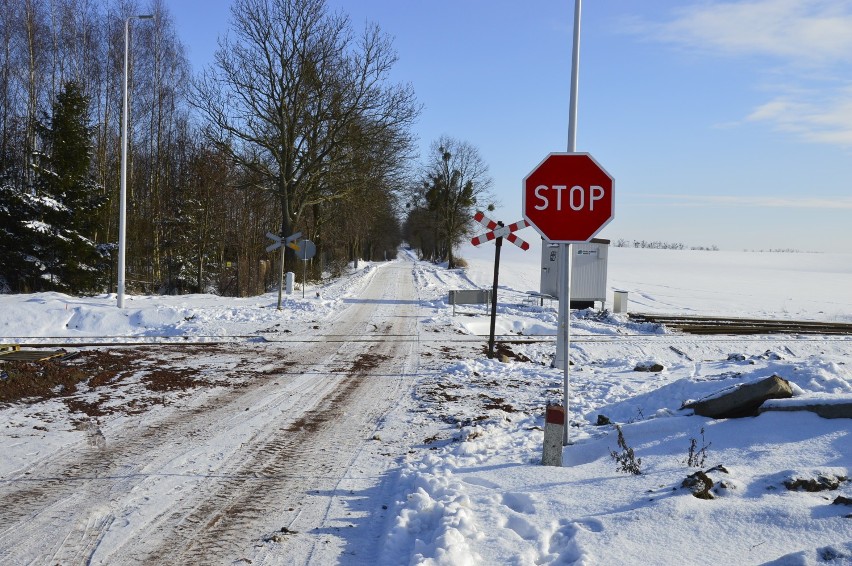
[498, 243]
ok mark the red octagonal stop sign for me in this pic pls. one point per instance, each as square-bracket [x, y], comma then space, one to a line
[568, 197]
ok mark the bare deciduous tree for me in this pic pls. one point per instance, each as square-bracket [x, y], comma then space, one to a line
[296, 96]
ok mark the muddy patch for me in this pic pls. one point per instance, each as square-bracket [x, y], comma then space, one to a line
[505, 353]
[96, 383]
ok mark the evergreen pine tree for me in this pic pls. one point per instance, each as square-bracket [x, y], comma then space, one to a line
[19, 272]
[12, 262]
[67, 199]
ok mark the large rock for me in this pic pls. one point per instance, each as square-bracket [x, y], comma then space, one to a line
[744, 401]
[653, 367]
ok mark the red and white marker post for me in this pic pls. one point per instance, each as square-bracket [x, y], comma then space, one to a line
[554, 422]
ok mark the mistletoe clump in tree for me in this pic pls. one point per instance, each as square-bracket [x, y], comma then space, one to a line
[454, 182]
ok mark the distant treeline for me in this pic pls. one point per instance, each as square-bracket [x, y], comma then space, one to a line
[623, 243]
[782, 251]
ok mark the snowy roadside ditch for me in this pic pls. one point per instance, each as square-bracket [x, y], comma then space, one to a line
[477, 494]
[697, 490]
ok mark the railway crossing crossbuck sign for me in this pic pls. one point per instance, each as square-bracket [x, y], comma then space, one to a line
[497, 230]
[568, 197]
[278, 241]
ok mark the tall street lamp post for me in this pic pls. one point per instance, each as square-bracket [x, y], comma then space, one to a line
[122, 214]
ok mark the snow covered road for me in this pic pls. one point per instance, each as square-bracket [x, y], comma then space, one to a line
[235, 474]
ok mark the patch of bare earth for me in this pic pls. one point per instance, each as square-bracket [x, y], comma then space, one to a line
[91, 382]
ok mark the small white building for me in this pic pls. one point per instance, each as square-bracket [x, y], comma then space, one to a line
[588, 272]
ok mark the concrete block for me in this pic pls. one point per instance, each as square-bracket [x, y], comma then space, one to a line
[825, 410]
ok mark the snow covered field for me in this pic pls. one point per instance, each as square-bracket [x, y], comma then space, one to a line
[451, 473]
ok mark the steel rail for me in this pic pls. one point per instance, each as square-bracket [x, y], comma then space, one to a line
[705, 325]
[478, 339]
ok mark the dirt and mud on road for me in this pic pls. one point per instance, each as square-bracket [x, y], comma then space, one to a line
[245, 452]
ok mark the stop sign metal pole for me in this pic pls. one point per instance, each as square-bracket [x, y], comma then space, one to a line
[281, 276]
[575, 80]
[565, 249]
[304, 276]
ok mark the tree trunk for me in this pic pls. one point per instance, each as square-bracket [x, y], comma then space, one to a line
[32, 89]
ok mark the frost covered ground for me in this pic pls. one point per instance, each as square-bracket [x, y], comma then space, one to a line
[465, 485]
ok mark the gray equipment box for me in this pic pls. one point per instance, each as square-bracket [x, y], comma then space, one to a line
[588, 272]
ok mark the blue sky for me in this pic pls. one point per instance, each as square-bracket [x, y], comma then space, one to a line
[723, 123]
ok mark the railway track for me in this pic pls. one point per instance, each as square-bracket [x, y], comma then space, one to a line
[709, 325]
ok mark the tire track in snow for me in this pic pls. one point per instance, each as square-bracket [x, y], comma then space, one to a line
[65, 492]
[300, 459]
[309, 457]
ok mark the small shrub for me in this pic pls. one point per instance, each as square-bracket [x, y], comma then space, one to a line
[697, 456]
[626, 461]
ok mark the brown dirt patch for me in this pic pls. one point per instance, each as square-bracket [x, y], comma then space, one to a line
[152, 372]
[367, 362]
[496, 403]
[504, 352]
[38, 380]
[315, 420]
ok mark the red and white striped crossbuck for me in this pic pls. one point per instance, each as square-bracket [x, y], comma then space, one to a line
[497, 230]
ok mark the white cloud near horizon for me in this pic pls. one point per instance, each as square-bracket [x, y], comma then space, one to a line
[804, 31]
[816, 118]
[799, 34]
[829, 203]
